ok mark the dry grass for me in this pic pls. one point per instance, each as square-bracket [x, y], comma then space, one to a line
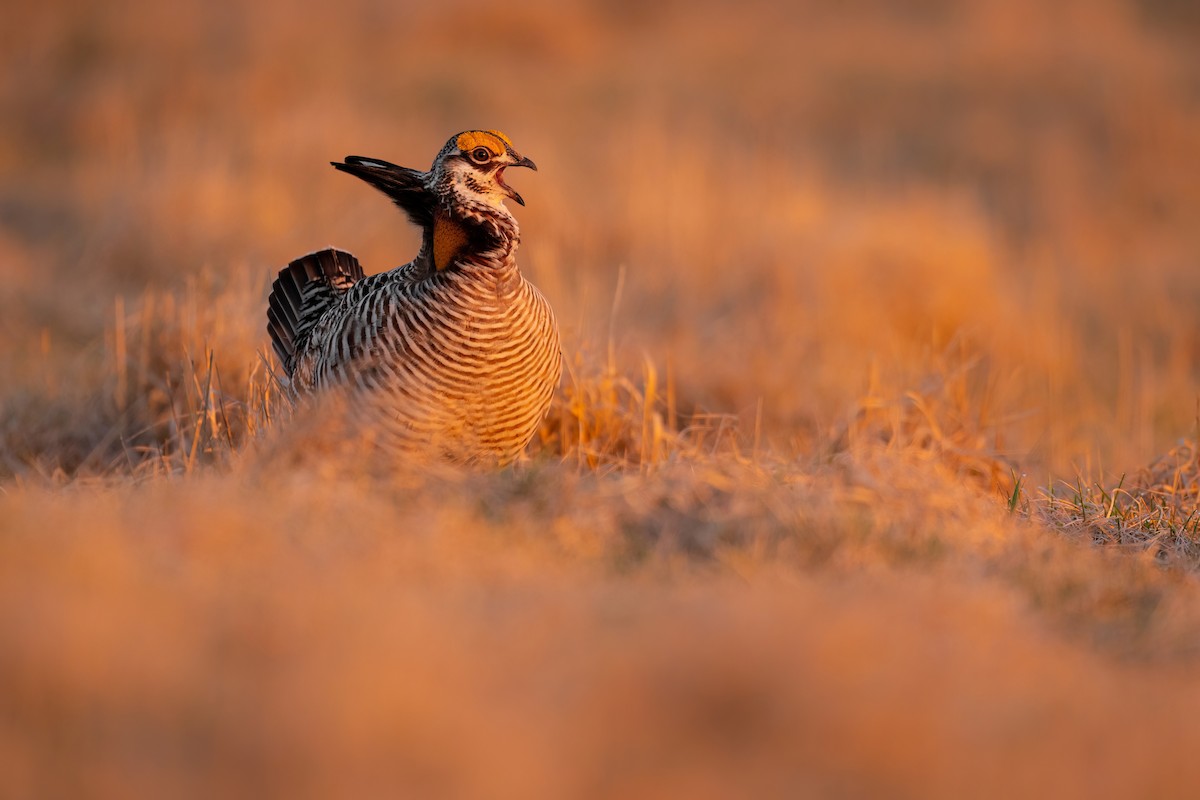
[873, 473]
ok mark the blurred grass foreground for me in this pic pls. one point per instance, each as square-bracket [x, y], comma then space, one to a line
[873, 472]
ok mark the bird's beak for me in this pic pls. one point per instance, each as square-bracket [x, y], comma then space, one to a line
[521, 161]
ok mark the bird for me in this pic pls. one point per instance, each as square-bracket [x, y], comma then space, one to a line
[454, 353]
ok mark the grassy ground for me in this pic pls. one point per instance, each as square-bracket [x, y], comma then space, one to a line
[874, 471]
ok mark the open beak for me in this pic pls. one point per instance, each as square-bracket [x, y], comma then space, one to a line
[522, 161]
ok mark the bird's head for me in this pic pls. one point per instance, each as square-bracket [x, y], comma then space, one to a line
[470, 169]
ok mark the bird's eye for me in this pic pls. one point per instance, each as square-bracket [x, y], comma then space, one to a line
[481, 155]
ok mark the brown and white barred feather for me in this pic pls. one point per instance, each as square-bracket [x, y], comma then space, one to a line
[462, 359]
[303, 292]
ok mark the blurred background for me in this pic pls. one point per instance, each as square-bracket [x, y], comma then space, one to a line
[925, 257]
[809, 203]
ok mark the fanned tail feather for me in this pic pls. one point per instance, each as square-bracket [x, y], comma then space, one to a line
[304, 290]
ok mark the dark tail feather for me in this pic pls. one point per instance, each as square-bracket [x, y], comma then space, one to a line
[303, 292]
[405, 186]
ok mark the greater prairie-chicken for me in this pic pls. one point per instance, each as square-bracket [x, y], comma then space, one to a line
[453, 353]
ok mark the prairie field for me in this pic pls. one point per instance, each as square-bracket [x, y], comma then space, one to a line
[873, 471]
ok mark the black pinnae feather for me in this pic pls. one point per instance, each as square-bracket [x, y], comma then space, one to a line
[405, 186]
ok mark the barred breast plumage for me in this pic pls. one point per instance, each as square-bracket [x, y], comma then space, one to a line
[454, 352]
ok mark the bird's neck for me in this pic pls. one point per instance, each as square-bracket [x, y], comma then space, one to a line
[475, 235]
